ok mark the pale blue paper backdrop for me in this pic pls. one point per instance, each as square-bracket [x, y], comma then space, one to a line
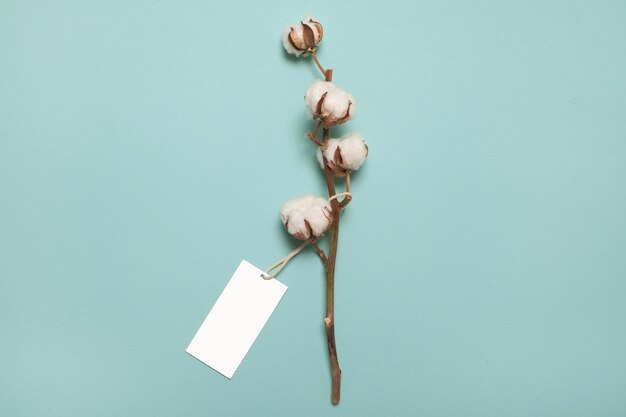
[146, 147]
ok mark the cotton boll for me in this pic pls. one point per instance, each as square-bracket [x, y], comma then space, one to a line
[295, 225]
[337, 107]
[353, 150]
[316, 28]
[318, 219]
[314, 95]
[303, 37]
[287, 42]
[329, 104]
[345, 154]
[306, 217]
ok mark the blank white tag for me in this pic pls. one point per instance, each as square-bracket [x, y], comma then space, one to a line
[236, 319]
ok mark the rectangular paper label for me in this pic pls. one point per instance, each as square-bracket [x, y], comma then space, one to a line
[236, 319]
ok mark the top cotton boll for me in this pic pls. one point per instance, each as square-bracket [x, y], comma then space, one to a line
[303, 37]
[345, 154]
[306, 217]
[329, 104]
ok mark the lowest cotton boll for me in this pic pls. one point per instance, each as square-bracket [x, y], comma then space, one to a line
[306, 217]
[345, 154]
[329, 104]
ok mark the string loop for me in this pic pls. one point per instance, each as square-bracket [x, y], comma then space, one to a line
[345, 193]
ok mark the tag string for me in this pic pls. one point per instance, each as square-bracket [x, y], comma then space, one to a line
[345, 193]
[278, 266]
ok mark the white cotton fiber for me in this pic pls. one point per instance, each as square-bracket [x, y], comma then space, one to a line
[352, 150]
[287, 44]
[306, 217]
[337, 105]
[314, 94]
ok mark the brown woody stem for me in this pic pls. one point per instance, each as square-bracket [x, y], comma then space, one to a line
[329, 320]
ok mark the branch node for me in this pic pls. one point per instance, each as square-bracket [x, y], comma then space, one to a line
[311, 136]
[321, 254]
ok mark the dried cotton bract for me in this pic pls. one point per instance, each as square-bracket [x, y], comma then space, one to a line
[303, 38]
[306, 217]
[329, 104]
[345, 154]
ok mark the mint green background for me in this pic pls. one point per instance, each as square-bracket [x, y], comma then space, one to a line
[146, 147]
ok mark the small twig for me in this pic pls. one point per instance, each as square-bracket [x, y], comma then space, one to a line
[317, 128]
[321, 68]
[328, 75]
[346, 200]
[313, 139]
[321, 253]
[313, 135]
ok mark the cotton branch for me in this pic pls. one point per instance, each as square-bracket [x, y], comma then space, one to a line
[338, 157]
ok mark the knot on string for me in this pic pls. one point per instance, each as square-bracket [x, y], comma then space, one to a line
[278, 266]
